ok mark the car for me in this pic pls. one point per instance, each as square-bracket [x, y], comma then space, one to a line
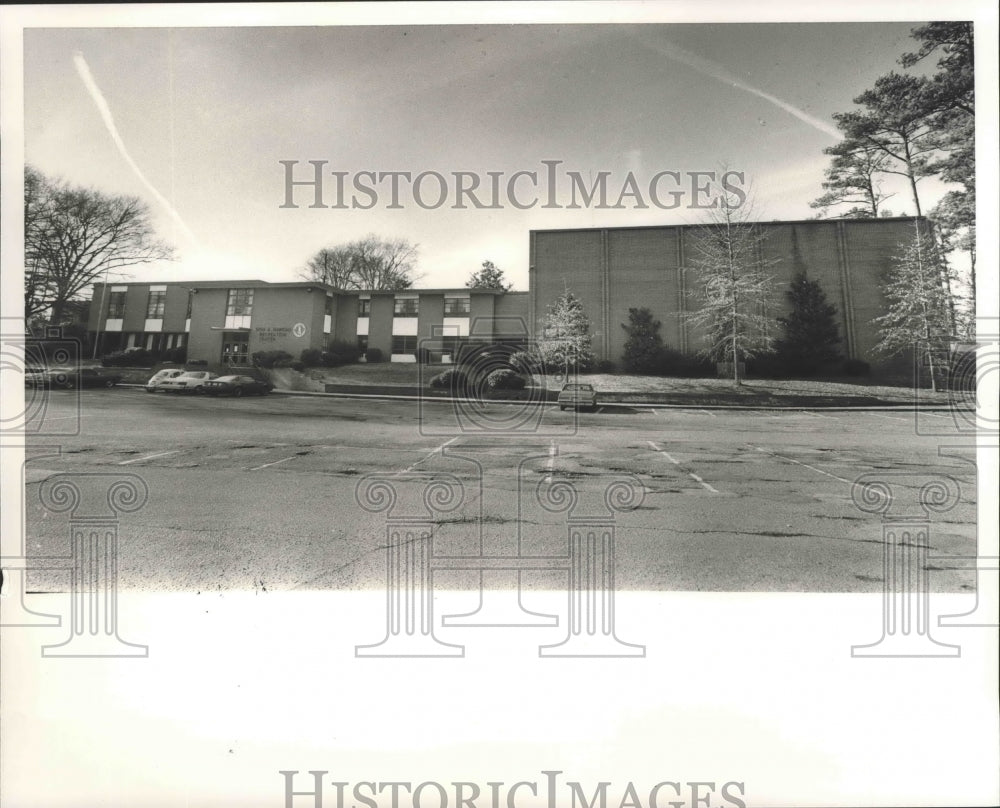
[157, 381]
[576, 396]
[69, 378]
[190, 381]
[237, 386]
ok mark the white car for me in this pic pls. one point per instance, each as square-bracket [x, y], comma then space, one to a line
[160, 377]
[190, 381]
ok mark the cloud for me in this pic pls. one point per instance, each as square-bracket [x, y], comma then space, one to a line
[716, 71]
[83, 70]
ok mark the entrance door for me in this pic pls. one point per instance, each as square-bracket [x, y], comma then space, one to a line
[235, 348]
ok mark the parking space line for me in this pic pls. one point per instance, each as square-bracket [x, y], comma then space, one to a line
[800, 463]
[600, 409]
[148, 457]
[676, 462]
[438, 450]
[818, 415]
[275, 463]
[708, 412]
[888, 417]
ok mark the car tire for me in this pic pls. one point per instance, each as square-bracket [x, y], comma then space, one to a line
[237, 392]
[561, 408]
[150, 390]
[110, 383]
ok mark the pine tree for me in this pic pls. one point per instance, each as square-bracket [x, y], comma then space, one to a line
[643, 345]
[919, 315]
[566, 340]
[811, 335]
[490, 276]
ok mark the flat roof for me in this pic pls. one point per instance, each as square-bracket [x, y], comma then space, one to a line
[257, 284]
[771, 222]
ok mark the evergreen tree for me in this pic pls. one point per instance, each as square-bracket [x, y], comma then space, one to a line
[810, 330]
[643, 345]
[566, 340]
[490, 276]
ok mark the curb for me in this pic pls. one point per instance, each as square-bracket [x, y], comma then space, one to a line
[691, 406]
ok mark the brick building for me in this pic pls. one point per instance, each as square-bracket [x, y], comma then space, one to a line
[614, 269]
[609, 269]
[228, 321]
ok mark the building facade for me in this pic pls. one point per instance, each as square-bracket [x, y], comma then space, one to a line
[614, 269]
[226, 322]
[610, 269]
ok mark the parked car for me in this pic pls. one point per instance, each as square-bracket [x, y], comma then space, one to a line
[161, 376]
[237, 386]
[69, 378]
[577, 396]
[190, 381]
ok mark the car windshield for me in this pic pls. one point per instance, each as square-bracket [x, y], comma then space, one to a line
[578, 387]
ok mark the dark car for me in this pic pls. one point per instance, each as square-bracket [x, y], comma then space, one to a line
[237, 386]
[576, 396]
[69, 378]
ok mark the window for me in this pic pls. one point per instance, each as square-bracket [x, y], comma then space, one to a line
[405, 307]
[116, 305]
[364, 307]
[404, 345]
[240, 303]
[456, 306]
[187, 316]
[363, 345]
[155, 305]
[328, 309]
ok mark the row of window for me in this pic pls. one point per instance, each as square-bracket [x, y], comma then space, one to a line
[239, 303]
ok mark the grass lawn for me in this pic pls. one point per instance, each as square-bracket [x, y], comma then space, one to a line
[387, 373]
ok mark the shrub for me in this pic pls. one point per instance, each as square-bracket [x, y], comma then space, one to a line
[525, 362]
[135, 358]
[856, 367]
[505, 380]
[606, 366]
[311, 357]
[452, 379]
[294, 364]
[374, 355]
[769, 366]
[671, 362]
[272, 359]
[342, 353]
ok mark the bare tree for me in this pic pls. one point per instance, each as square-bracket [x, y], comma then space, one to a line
[919, 314]
[732, 288]
[75, 236]
[367, 263]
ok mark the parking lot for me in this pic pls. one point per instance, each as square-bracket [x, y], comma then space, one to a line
[259, 493]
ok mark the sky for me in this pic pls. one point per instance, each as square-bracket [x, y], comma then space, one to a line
[195, 121]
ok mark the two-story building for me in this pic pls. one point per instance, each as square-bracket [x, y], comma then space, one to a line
[228, 321]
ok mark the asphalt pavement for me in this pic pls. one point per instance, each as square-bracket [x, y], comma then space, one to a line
[263, 493]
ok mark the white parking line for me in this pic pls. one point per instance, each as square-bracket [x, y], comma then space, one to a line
[148, 457]
[676, 462]
[799, 462]
[708, 412]
[438, 450]
[818, 415]
[550, 464]
[275, 463]
[889, 417]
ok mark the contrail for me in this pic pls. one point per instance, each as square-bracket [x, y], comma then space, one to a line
[102, 107]
[718, 72]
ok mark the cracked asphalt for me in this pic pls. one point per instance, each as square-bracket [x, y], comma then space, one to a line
[260, 493]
